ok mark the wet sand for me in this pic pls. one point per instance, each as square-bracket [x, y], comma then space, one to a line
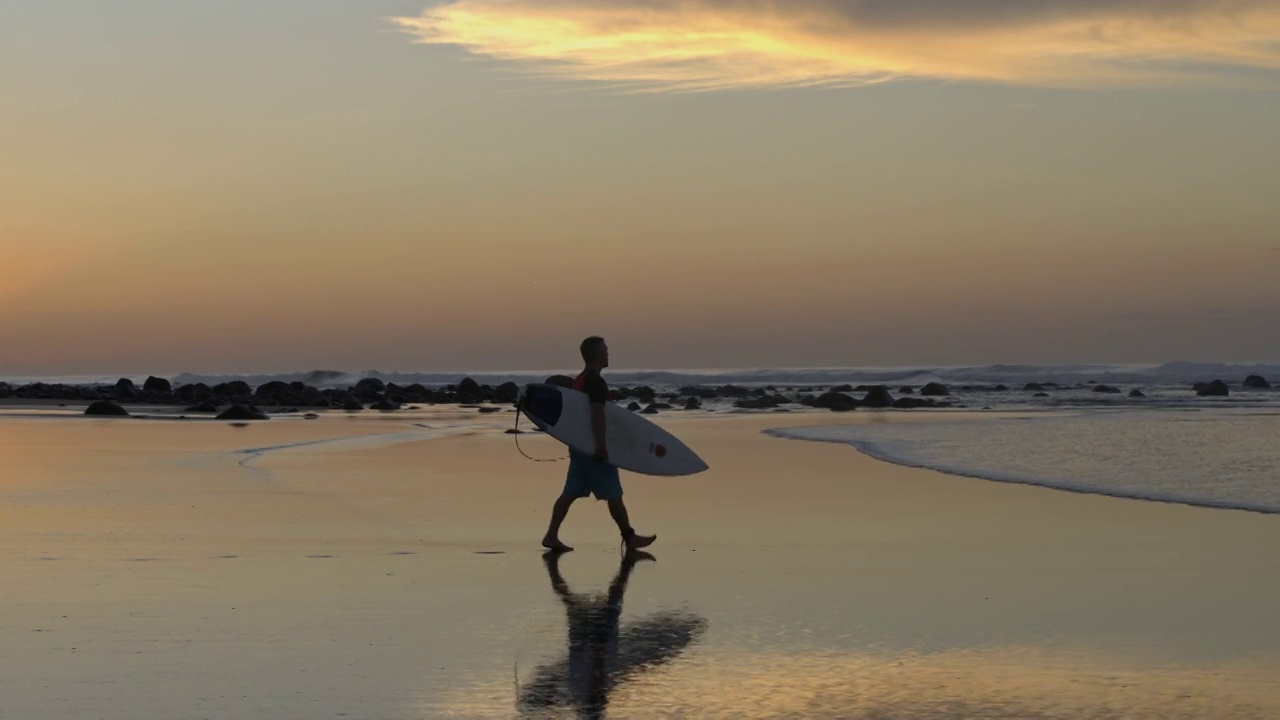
[387, 567]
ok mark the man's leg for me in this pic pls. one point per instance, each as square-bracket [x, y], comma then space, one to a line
[618, 510]
[559, 512]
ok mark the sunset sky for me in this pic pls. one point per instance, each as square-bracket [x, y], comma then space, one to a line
[255, 186]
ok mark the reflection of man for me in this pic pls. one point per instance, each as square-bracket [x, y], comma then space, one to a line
[593, 633]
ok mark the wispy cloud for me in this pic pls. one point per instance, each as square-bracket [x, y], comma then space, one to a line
[692, 45]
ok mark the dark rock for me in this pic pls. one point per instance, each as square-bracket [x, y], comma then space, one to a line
[351, 403]
[651, 409]
[471, 387]
[560, 381]
[385, 405]
[193, 393]
[489, 409]
[1257, 382]
[693, 403]
[906, 390]
[1000, 388]
[274, 393]
[235, 388]
[311, 416]
[766, 402]
[634, 407]
[1105, 389]
[836, 401]
[125, 389]
[242, 412]
[5, 390]
[879, 397]
[698, 391]
[1136, 393]
[204, 407]
[462, 397]
[733, 391]
[1033, 387]
[1041, 394]
[158, 386]
[506, 393]
[106, 408]
[370, 385]
[934, 389]
[1217, 388]
[911, 403]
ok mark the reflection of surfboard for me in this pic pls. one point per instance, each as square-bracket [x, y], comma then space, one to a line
[635, 444]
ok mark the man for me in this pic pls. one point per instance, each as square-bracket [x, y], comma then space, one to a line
[593, 474]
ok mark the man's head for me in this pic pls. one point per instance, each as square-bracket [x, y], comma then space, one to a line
[595, 353]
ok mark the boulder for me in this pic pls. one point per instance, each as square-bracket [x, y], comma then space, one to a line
[275, 392]
[842, 389]
[879, 397]
[1106, 389]
[693, 403]
[700, 392]
[634, 407]
[506, 393]
[1033, 387]
[157, 386]
[934, 389]
[1217, 388]
[125, 389]
[835, 401]
[1041, 394]
[235, 388]
[204, 407]
[106, 408]
[1136, 393]
[911, 403]
[471, 387]
[192, 393]
[766, 402]
[651, 409]
[906, 390]
[5, 390]
[242, 412]
[1000, 388]
[733, 391]
[1257, 382]
[351, 403]
[385, 405]
[462, 397]
[370, 385]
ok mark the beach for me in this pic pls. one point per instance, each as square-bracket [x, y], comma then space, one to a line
[387, 566]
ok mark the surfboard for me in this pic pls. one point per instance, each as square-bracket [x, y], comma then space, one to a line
[634, 443]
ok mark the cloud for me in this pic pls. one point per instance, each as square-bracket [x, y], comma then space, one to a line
[698, 45]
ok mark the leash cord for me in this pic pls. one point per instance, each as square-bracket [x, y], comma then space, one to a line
[516, 435]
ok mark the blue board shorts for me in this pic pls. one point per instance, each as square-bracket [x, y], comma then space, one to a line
[588, 476]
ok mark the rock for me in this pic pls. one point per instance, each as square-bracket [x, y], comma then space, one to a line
[693, 403]
[506, 393]
[471, 387]
[106, 408]
[879, 397]
[634, 407]
[651, 409]
[764, 402]
[125, 389]
[733, 391]
[193, 393]
[275, 392]
[835, 401]
[157, 386]
[911, 403]
[1000, 388]
[906, 390]
[934, 389]
[1041, 394]
[1257, 382]
[490, 409]
[1105, 389]
[560, 381]
[5, 390]
[1033, 387]
[311, 416]
[235, 388]
[700, 392]
[370, 385]
[462, 397]
[241, 412]
[1136, 393]
[1217, 388]
[204, 407]
[385, 405]
[842, 389]
[351, 403]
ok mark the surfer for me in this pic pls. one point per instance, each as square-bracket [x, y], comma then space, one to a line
[593, 474]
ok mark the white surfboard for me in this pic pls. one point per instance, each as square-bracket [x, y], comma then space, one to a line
[635, 444]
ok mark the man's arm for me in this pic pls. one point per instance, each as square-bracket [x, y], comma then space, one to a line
[598, 428]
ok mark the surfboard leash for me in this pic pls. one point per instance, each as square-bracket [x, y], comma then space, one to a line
[516, 435]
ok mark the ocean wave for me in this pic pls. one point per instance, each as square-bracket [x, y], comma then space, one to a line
[1216, 459]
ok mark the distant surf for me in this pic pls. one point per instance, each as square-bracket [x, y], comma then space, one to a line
[1209, 458]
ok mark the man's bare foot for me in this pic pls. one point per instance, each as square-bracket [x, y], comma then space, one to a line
[554, 545]
[635, 542]
[637, 555]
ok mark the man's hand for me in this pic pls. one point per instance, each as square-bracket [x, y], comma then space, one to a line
[602, 453]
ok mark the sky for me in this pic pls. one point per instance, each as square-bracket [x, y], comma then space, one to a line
[248, 186]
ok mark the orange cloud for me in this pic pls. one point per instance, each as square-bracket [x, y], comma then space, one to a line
[699, 45]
